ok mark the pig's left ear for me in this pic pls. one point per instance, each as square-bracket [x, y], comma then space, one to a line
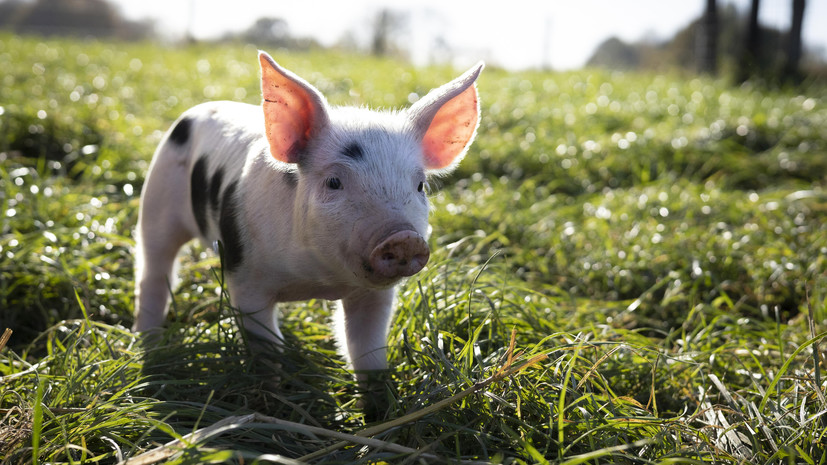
[446, 119]
[294, 111]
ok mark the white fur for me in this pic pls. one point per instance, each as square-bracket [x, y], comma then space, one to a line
[300, 242]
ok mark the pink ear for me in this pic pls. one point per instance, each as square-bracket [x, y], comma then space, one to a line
[293, 110]
[447, 119]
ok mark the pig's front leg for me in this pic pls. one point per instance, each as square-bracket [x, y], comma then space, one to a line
[363, 322]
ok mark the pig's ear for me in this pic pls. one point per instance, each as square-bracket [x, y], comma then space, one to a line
[446, 119]
[294, 111]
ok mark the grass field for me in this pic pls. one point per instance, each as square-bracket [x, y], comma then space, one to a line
[626, 268]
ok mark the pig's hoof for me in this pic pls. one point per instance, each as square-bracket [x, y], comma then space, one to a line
[377, 394]
[150, 338]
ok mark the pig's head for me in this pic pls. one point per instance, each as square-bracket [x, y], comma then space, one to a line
[362, 175]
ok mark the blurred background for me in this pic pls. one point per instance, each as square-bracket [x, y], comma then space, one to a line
[772, 39]
[660, 215]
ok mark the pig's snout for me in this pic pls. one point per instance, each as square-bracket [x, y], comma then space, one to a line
[403, 253]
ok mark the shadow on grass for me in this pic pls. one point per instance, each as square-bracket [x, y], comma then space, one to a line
[205, 374]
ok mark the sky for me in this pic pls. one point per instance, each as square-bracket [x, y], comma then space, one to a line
[515, 34]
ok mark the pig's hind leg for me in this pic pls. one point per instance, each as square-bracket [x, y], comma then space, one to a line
[258, 314]
[165, 223]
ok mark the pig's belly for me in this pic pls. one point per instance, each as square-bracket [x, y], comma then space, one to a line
[307, 291]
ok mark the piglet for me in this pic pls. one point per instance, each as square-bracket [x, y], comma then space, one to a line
[308, 200]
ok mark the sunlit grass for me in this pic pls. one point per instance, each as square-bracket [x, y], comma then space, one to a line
[659, 239]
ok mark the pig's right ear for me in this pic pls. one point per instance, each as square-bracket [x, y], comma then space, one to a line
[294, 111]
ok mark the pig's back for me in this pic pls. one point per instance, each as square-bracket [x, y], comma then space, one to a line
[212, 143]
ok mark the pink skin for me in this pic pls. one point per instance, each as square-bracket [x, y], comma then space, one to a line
[402, 254]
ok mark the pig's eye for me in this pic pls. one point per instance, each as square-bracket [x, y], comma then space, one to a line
[420, 187]
[333, 183]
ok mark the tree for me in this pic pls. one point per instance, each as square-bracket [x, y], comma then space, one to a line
[747, 63]
[613, 53]
[270, 31]
[94, 18]
[386, 26]
[791, 71]
[708, 39]
[75, 17]
[9, 10]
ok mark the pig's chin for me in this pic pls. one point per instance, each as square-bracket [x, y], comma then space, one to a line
[384, 284]
[371, 279]
[362, 275]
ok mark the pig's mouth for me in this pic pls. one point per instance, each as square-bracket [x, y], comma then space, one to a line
[401, 254]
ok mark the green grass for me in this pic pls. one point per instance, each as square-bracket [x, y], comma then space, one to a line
[656, 244]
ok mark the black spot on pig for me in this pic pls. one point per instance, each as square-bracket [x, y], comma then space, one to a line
[215, 189]
[230, 230]
[181, 132]
[353, 151]
[291, 178]
[199, 192]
